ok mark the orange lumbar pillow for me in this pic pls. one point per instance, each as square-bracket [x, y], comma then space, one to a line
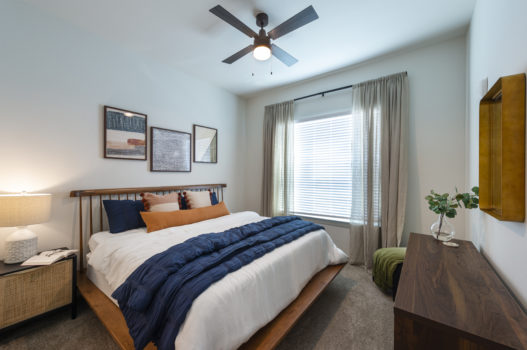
[156, 221]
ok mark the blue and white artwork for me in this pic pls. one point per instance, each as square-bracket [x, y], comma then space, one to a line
[124, 134]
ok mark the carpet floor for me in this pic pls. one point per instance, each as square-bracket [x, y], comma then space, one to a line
[351, 314]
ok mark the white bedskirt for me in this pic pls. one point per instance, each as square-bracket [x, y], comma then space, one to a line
[231, 310]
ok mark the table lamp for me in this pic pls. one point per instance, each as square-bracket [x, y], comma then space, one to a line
[21, 210]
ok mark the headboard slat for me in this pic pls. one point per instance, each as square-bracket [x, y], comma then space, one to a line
[100, 213]
[81, 237]
[91, 216]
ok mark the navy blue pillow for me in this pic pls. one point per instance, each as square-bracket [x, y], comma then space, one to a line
[124, 215]
[183, 203]
[214, 199]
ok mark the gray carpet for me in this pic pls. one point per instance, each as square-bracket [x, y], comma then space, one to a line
[351, 314]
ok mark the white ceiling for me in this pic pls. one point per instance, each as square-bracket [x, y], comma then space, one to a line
[185, 35]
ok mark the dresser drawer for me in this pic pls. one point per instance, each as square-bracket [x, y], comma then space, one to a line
[35, 291]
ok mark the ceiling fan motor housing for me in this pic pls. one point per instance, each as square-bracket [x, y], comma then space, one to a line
[262, 39]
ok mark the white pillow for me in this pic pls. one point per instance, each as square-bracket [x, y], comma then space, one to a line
[198, 199]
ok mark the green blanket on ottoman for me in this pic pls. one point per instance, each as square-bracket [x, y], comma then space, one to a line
[385, 261]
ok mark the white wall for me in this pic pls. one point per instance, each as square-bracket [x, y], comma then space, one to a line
[437, 77]
[54, 80]
[496, 47]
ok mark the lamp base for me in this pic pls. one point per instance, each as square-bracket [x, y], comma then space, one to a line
[20, 246]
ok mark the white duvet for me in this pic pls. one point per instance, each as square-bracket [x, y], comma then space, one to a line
[231, 310]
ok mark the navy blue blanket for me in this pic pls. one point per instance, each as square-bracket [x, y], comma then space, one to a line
[156, 297]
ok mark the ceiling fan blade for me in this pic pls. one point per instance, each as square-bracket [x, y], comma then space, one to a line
[283, 56]
[300, 19]
[233, 21]
[238, 54]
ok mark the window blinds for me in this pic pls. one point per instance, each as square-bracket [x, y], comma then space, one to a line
[329, 174]
[322, 180]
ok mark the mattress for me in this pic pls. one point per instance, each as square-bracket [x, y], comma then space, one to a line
[231, 310]
[100, 282]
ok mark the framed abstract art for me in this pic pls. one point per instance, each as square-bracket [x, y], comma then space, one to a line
[170, 150]
[205, 144]
[124, 134]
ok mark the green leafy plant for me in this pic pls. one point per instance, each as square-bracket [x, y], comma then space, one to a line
[446, 204]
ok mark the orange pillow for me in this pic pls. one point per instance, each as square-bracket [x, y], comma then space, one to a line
[156, 221]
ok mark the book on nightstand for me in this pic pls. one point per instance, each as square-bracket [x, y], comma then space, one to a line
[49, 257]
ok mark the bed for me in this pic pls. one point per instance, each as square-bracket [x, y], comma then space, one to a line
[252, 308]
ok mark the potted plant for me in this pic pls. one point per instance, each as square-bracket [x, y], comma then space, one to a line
[446, 205]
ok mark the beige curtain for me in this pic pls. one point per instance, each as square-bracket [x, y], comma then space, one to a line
[380, 117]
[277, 186]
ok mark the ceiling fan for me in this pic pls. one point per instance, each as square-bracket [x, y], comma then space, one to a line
[262, 47]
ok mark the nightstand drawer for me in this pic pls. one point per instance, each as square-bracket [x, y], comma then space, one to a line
[32, 292]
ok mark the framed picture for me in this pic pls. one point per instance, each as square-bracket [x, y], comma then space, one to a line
[170, 150]
[205, 144]
[124, 134]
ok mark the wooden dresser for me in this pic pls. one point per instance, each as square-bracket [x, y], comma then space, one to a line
[451, 298]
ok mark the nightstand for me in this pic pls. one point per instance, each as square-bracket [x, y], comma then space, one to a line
[30, 291]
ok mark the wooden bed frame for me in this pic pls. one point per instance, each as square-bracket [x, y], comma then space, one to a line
[110, 315]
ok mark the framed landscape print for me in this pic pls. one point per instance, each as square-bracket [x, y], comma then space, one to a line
[170, 150]
[124, 134]
[205, 144]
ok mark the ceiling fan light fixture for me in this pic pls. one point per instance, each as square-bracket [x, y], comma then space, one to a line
[262, 52]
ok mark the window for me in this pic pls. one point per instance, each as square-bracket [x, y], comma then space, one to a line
[322, 177]
[329, 180]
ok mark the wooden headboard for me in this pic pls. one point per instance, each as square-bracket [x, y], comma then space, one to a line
[131, 193]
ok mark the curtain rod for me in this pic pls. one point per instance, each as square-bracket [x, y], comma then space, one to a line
[333, 90]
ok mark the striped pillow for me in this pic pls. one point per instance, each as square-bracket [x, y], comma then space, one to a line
[155, 202]
[198, 199]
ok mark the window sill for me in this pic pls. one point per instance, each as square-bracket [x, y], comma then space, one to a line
[326, 220]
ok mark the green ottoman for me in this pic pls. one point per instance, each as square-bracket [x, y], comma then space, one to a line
[387, 265]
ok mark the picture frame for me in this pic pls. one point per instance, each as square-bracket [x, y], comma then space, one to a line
[124, 134]
[170, 150]
[205, 144]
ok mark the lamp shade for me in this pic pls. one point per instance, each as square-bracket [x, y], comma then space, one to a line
[24, 209]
